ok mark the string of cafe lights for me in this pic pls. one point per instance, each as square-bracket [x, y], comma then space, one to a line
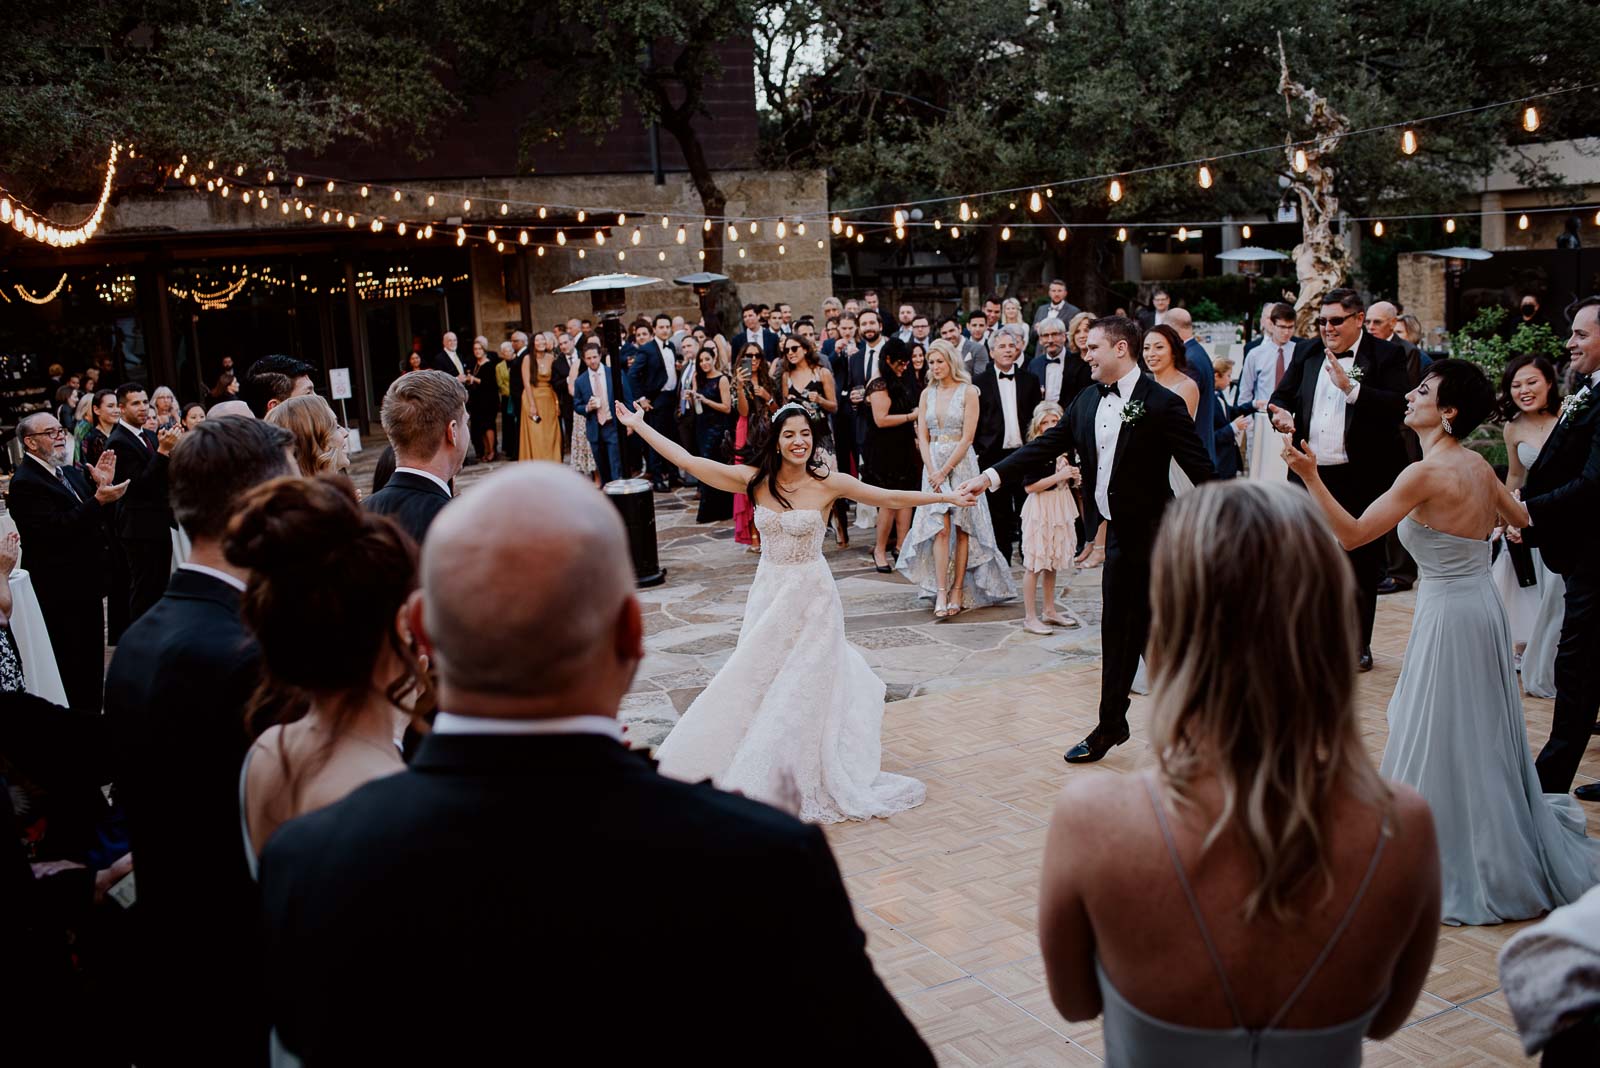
[34, 226]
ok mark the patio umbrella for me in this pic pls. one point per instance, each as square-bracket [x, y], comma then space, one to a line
[607, 281]
[701, 278]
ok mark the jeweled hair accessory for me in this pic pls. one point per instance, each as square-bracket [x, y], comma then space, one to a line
[782, 413]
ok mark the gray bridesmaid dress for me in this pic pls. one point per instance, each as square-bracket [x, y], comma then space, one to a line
[1457, 736]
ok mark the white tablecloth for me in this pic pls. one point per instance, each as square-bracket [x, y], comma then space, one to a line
[39, 668]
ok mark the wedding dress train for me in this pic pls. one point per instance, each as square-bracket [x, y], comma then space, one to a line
[795, 696]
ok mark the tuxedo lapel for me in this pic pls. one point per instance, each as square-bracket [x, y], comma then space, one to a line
[1363, 362]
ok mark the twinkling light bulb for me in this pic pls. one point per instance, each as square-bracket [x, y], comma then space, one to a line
[1246, 231]
[1300, 161]
[682, 235]
[1005, 233]
[838, 225]
[1035, 202]
[1522, 222]
[1116, 190]
[1530, 119]
[1122, 233]
[965, 212]
[1377, 229]
[1205, 177]
[1061, 234]
[1408, 142]
[1449, 226]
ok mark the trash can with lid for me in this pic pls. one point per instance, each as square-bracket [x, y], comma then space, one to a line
[635, 499]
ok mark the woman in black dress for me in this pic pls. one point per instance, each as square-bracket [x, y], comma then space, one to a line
[805, 380]
[483, 398]
[713, 432]
[892, 444]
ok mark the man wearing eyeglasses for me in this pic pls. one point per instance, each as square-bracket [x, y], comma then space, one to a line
[1351, 409]
[61, 516]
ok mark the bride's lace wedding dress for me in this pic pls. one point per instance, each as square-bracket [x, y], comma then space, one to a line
[794, 696]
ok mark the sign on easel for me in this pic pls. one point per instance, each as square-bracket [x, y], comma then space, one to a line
[339, 384]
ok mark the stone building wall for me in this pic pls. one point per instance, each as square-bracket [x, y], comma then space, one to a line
[1422, 290]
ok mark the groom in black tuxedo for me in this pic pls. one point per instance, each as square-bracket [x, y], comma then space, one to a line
[1351, 409]
[1128, 432]
[1562, 495]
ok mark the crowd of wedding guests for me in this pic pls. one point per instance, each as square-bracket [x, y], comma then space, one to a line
[310, 793]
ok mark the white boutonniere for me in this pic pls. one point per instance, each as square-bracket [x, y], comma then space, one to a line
[1354, 374]
[1132, 412]
[1575, 403]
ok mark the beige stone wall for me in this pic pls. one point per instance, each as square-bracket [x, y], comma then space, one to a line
[1422, 289]
[801, 275]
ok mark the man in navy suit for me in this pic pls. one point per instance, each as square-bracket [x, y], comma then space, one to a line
[597, 388]
[754, 331]
[1204, 376]
[62, 519]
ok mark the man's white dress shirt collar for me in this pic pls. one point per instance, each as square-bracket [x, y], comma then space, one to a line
[221, 576]
[451, 723]
[429, 475]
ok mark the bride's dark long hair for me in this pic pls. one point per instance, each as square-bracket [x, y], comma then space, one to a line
[763, 452]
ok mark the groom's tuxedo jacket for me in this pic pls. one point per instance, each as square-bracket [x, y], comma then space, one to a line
[1562, 492]
[1140, 483]
[522, 892]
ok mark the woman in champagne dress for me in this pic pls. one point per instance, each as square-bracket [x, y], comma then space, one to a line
[540, 435]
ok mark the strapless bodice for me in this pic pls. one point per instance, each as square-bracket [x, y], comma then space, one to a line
[1527, 452]
[791, 537]
[1444, 556]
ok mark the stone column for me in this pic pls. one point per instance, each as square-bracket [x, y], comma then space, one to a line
[1494, 222]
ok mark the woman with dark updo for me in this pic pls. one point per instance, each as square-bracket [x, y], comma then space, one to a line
[1456, 729]
[322, 565]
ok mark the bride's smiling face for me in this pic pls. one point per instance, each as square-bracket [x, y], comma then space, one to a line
[794, 440]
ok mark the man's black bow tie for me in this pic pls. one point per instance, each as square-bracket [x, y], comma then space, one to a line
[1007, 377]
[1106, 391]
[1052, 359]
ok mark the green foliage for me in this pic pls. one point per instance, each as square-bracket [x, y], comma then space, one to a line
[1206, 310]
[1485, 342]
[1230, 294]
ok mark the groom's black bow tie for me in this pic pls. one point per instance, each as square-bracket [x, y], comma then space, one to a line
[1007, 377]
[1106, 391]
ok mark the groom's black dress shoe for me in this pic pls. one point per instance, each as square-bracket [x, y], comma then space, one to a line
[1093, 748]
[1365, 663]
[1588, 792]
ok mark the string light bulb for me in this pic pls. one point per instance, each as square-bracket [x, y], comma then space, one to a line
[937, 225]
[491, 235]
[377, 226]
[1449, 226]
[466, 205]
[522, 237]
[662, 255]
[427, 231]
[430, 200]
[581, 254]
[401, 229]
[664, 222]
[561, 237]
[284, 204]
[819, 243]
[539, 251]
[325, 217]
[238, 172]
[622, 218]
[1205, 176]
[733, 232]
[955, 231]
[783, 230]
[780, 250]
[706, 225]
[397, 196]
[850, 231]
[461, 234]
[1183, 233]
[1246, 231]
[899, 218]
[682, 235]
[755, 227]
[635, 237]
[1300, 161]
[1116, 190]
[582, 215]
[499, 246]
[900, 233]
[363, 192]
[964, 211]
[271, 177]
[1530, 119]
[1122, 233]
[1377, 228]
[838, 225]
[1005, 233]
[1522, 222]
[741, 253]
[800, 228]
[1035, 201]
[1408, 143]
[504, 208]
[861, 239]
[542, 211]
[1061, 234]
[621, 255]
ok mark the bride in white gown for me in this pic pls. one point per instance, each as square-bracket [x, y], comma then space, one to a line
[795, 697]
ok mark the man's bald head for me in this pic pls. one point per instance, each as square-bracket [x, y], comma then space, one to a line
[1380, 320]
[527, 598]
[1181, 321]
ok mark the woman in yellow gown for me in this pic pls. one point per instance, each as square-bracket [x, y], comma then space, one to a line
[541, 402]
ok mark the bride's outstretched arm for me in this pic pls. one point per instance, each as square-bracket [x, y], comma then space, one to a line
[1415, 485]
[856, 490]
[730, 477]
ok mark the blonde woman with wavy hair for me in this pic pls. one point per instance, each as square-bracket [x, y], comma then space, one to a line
[1260, 896]
[321, 444]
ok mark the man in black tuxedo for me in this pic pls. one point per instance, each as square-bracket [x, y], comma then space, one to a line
[647, 379]
[870, 361]
[513, 419]
[1128, 431]
[176, 699]
[837, 352]
[425, 415]
[754, 332]
[1562, 495]
[761, 921]
[1351, 410]
[61, 518]
[143, 522]
[1007, 397]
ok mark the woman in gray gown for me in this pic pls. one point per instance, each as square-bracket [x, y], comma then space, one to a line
[1456, 728]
